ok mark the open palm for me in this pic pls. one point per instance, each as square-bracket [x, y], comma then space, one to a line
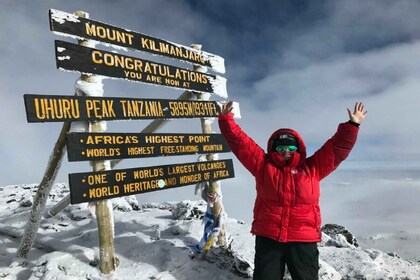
[359, 113]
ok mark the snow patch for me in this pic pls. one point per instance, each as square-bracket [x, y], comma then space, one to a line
[62, 17]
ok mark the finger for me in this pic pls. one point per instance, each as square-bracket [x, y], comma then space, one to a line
[355, 107]
[362, 107]
[359, 107]
[349, 112]
[229, 105]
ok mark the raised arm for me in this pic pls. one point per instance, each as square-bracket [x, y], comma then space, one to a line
[246, 150]
[337, 149]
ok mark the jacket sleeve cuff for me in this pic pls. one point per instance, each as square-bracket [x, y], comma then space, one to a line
[354, 123]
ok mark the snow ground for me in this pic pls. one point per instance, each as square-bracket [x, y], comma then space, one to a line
[151, 244]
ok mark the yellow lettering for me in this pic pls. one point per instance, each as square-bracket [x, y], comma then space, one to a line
[97, 179]
[56, 108]
[107, 33]
[147, 173]
[212, 148]
[90, 29]
[220, 174]
[199, 138]
[187, 179]
[133, 151]
[97, 57]
[164, 139]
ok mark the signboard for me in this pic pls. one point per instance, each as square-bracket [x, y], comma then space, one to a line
[57, 108]
[91, 186]
[102, 146]
[93, 61]
[82, 28]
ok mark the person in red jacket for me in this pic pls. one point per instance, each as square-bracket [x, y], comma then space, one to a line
[287, 217]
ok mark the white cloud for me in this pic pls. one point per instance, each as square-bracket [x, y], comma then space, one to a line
[316, 96]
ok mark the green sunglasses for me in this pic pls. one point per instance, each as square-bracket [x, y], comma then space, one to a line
[290, 148]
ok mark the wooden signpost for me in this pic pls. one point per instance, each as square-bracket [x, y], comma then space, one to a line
[93, 186]
[102, 146]
[74, 57]
[57, 108]
[82, 28]
[98, 147]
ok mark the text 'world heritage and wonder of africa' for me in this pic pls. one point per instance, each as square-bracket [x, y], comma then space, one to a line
[114, 183]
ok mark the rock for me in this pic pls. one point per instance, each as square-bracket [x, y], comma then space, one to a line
[336, 233]
[25, 203]
[226, 258]
[120, 204]
[187, 210]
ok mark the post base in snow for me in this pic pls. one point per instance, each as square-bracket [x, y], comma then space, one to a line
[22, 262]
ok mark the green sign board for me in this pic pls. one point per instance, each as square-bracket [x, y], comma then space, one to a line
[102, 146]
[92, 186]
[58, 108]
[86, 60]
[82, 28]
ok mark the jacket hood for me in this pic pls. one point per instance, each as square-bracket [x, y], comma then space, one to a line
[301, 148]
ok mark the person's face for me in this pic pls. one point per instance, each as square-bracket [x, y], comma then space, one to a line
[286, 151]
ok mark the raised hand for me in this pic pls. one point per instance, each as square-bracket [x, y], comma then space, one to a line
[226, 108]
[358, 114]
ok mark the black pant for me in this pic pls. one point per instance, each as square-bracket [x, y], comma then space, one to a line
[272, 256]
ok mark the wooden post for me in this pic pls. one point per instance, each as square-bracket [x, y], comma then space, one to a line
[41, 196]
[217, 208]
[57, 208]
[104, 216]
[108, 261]
[45, 186]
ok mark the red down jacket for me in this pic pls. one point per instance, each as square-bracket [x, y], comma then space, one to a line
[287, 203]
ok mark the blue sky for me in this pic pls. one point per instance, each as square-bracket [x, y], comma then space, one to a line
[295, 64]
